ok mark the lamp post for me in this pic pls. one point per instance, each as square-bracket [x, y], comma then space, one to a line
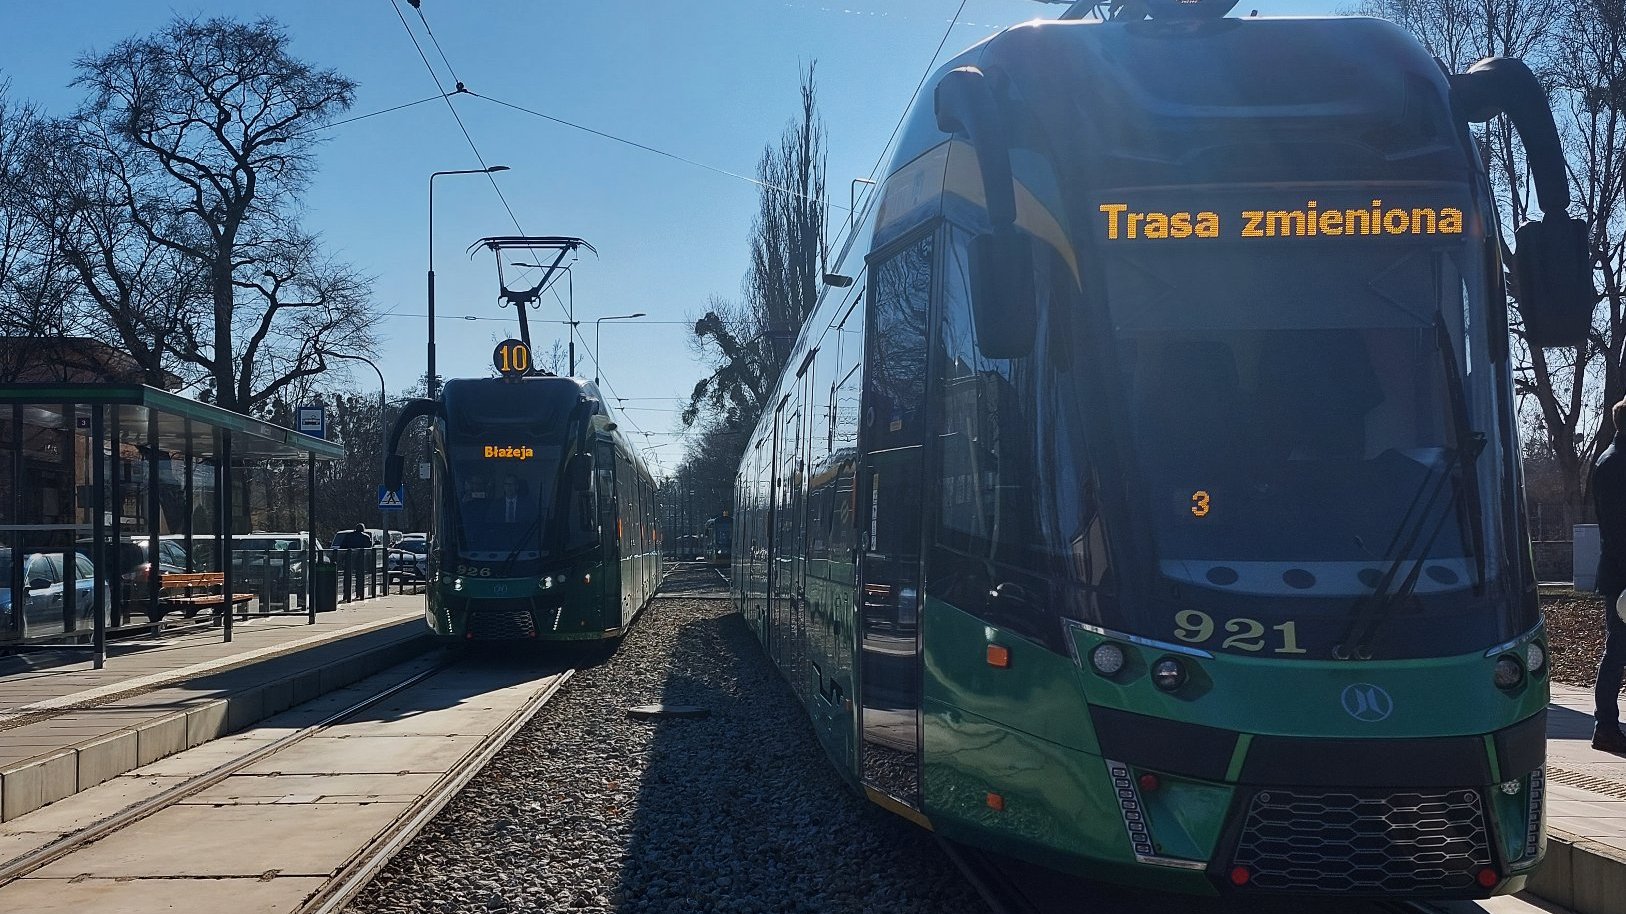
[570, 311]
[432, 382]
[383, 407]
[598, 353]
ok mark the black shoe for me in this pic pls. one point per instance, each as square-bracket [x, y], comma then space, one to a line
[1609, 739]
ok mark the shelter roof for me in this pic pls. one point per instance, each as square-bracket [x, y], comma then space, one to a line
[178, 419]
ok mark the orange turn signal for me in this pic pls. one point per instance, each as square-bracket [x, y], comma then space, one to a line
[999, 655]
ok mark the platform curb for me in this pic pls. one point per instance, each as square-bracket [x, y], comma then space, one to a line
[1581, 875]
[32, 783]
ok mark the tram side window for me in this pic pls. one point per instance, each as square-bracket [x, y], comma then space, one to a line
[986, 465]
[897, 376]
[845, 407]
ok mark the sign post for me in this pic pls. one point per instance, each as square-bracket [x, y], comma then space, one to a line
[312, 421]
[391, 501]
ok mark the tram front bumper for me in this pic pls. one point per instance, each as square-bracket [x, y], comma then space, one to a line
[560, 605]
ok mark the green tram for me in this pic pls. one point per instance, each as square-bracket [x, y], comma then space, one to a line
[544, 515]
[717, 537]
[1142, 498]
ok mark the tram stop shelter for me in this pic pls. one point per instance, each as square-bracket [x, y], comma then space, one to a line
[107, 488]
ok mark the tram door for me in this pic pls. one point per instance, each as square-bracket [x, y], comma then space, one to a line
[890, 501]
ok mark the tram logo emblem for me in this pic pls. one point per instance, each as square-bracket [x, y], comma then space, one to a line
[1367, 703]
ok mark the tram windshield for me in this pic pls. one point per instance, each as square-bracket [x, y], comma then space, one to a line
[1317, 426]
[503, 499]
[502, 503]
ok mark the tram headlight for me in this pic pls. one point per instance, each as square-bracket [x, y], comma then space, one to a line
[1168, 674]
[1107, 658]
[547, 582]
[1509, 673]
[1535, 658]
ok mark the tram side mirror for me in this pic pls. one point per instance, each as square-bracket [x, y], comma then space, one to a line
[1003, 305]
[392, 472]
[1552, 276]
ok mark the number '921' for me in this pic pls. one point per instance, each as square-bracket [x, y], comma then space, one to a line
[1195, 627]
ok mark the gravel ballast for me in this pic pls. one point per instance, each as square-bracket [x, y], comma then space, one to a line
[741, 811]
[1574, 635]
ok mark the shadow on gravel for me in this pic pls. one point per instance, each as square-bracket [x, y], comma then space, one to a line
[692, 579]
[743, 812]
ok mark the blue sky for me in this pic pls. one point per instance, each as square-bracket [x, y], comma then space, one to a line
[710, 81]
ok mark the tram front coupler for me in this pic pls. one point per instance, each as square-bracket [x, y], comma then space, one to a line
[1552, 263]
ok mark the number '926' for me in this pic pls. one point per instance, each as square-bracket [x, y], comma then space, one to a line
[1194, 627]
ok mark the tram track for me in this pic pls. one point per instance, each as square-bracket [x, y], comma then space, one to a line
[353, 869]
[364, 866]
[28, 863]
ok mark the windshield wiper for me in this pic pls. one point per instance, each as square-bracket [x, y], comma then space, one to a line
[1371, 610]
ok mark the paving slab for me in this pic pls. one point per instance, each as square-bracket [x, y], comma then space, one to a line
[367, 755]
[316, 788]
[256, 895]
[208, 756]
[88, 807]
[312, 839]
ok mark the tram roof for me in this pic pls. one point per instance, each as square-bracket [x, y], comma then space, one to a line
[179, 421]
[1193, 76]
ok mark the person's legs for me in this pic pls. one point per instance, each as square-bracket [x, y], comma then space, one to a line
[1611, 669]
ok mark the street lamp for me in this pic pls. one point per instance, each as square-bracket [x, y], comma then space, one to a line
[598, 353]
[570, 310]
[383, 408]
[432, 381]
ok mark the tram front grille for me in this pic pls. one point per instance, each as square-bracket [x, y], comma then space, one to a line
[501, 623]
[1366, 843]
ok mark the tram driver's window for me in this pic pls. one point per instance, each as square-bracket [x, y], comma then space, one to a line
[895, 409]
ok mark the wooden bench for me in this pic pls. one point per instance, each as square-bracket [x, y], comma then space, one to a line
[193, 592]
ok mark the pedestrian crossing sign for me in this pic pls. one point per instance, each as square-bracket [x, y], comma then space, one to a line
[390, 501]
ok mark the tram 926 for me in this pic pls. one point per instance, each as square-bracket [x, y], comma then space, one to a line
[1149, 505]
[717, 537]
[544, 515]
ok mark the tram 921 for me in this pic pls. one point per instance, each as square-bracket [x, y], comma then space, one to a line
[1149, 506]
[544, 516]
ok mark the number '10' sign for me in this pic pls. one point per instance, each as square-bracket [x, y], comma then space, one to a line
[512, 358]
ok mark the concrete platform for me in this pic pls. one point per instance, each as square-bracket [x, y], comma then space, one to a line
[1585, 870]
[72, 727]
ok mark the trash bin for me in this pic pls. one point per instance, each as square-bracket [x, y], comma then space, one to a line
[324, 587]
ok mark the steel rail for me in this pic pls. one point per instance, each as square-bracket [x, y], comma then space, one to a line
[28, 863]
[362, 868]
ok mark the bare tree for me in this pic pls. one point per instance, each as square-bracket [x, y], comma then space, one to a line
[1573, 45]
[127, 285]
[35, 285]
[1589, 81]
[748, 345]
[209, 122]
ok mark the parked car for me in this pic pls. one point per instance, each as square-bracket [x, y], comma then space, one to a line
[409, 561]
[43, 603]
[281, 556]
[133, 563]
